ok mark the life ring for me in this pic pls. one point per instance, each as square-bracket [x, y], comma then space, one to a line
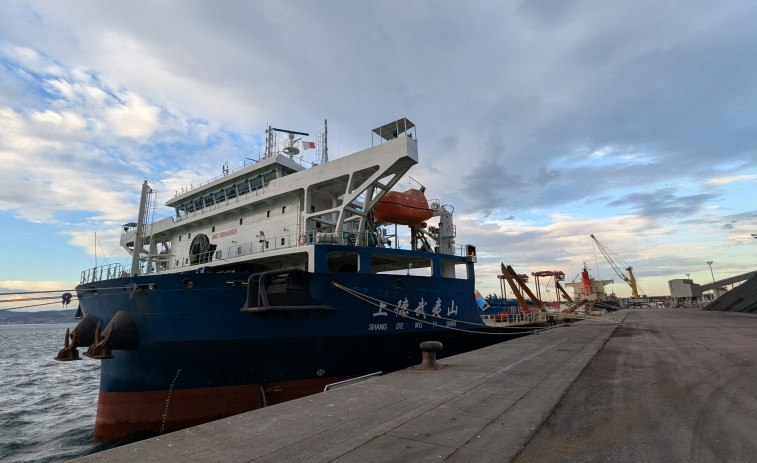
[302, 239]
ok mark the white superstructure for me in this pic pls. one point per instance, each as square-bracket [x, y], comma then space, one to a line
[270, 213]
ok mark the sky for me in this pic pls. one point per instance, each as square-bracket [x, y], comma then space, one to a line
[541, 122]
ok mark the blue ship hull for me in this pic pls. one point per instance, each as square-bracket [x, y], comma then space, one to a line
[200, 351]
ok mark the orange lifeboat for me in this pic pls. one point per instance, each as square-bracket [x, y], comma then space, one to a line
[404, 208]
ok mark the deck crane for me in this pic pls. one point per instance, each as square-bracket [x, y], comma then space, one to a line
[518, 285]
[612, 261]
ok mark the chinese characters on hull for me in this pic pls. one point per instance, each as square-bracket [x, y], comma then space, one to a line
[401, 310]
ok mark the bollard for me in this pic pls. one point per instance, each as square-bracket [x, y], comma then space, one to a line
[429, 350]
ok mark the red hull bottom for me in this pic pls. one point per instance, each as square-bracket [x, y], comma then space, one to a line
[121, 414]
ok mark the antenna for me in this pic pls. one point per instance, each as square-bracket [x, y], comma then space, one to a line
[290, 150]
[325, 154]
[291, 132]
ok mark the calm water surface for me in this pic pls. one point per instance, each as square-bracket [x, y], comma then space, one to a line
[47, 408]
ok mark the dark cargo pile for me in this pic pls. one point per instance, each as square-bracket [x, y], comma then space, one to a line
[742, 298]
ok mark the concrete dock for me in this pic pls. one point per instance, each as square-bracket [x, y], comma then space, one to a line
[659, 385]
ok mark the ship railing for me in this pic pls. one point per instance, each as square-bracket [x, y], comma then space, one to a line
[282, 242]
[251, 193]
[103, 272]
[268, 244]
[205, 182]
[518, 318]
[245, 165]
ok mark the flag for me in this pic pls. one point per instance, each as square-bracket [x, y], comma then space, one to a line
[306, 145]
[481, 302]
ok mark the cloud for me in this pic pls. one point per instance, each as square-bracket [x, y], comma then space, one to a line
[82, 145]
[134, 118]
[664, 202]
[21, 285]
[541, 121]
[726, 180]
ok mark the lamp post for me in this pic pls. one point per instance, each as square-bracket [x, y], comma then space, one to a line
[709, 262]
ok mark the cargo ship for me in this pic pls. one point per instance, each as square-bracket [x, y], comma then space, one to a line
[593, 291]
[271, 282]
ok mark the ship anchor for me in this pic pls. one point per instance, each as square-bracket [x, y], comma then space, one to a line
[82, 335]
[121, 333]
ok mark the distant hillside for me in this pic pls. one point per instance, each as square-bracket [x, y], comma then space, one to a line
[43, 317]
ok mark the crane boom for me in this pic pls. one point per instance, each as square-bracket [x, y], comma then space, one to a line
[564, 293]
[630, 280]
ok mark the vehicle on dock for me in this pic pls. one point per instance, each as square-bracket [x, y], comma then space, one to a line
[271, 282]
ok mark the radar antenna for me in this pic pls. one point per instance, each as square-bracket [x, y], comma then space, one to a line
[291, 149]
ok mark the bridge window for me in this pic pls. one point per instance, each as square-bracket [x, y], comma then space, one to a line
[345, 262]
[268, 177]
[401, 265]
[243, 188]
[220, 197]
[454, 269]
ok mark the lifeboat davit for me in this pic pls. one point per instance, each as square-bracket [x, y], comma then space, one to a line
[404, 208]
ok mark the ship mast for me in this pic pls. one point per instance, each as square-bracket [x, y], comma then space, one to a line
[325, 154]
[139, 233]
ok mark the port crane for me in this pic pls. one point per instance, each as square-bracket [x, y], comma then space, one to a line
[612, 259]
[518, 285]
[558, 276]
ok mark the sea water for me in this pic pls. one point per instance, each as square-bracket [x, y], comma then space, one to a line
[47, 408]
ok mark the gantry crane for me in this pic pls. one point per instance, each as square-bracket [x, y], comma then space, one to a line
[558, 276]
[611, 258]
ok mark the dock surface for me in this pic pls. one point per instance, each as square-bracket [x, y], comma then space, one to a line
[660, 385]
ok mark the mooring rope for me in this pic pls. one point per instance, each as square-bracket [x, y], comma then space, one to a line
[38, 292]
[29, 299]
[33, 305]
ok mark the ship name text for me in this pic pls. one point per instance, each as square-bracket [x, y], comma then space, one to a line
[222, 234]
